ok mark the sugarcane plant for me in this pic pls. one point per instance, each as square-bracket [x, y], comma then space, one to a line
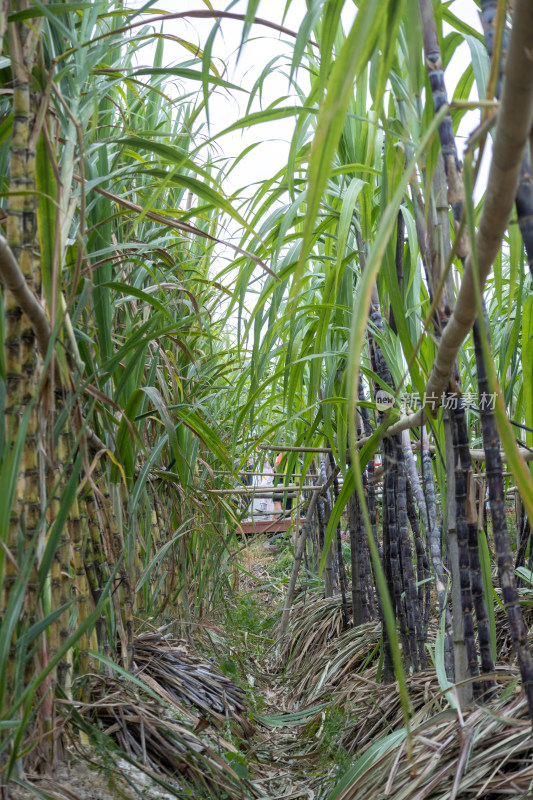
[147, 354]
[378, 165]
[110, 356]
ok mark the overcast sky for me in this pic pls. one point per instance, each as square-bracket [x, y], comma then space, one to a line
[226, 106]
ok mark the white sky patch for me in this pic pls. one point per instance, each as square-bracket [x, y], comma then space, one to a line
[273, 139]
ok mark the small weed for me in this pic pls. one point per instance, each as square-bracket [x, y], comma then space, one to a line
[283, 566]
[333, 721]
[247, 615]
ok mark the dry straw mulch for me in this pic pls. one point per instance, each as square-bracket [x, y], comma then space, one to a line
[153, 736]
[168, 667]
[486, 753]
[168, 717]
[504, 643]
[316, 626]
[374, 709]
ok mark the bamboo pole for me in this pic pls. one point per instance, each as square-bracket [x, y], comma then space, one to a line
[267, 491]
[415, 421]
[278, 448]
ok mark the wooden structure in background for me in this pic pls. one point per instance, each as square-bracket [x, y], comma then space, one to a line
[267, 525]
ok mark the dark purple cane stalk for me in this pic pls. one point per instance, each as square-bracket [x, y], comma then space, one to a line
[462, 541]
[467, 528]
[321, 519]
[413, 613]
[400, 244]
[397, 557]
[423, 574]
[429, 486]
[415, 493]
[369, 602]
[388, 666]
[370, 469]
[367, 570]
[452, 164]
[313, 532]
[360, 601]
[525, 539]
[435, 549]
[491, 441]
[330, 574]
[469, 517]
[391, 542]
[321, 509]
[357, 602]
[456, 201]
[343, 580]
[468, 545]
[502, 544]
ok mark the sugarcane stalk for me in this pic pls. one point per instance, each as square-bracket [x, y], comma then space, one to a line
[325, 507]
[60, 572]
[158, 528]
[466, 530]
[512, 131]
[452, 165]
[15, 325]
[122, 599]
[502, 544]
[393, 542]
[357, 603]
[371, 499]
[343, 580]
[321, 518]
[422, 564]
[524, 192]
[75, 529]
[523, 197]
[414, 489]
[525, 539]
[464, 555]
[400, 244]
[435, 547]
[413, 614]
[32, 507]
[460, 656]
[391, 554]
[96, 563]
[368, 599]
[388, 665]
[478, 590]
